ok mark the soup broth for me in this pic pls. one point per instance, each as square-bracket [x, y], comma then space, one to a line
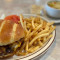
[55, 4]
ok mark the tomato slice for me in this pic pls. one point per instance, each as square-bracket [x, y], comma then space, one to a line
[14, 18]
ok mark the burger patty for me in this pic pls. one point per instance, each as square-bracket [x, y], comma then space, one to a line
[11, 48]
[4, 50]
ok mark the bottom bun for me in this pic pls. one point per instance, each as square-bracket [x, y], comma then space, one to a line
[7, 55]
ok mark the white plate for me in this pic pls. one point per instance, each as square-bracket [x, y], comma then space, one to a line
[46, 17]
[37, 53]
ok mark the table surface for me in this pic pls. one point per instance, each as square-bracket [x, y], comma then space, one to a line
[23, 6]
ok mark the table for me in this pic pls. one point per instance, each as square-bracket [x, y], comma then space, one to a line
[23, 6]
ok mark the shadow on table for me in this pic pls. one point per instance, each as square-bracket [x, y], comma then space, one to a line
[57, 24]
[47, 54]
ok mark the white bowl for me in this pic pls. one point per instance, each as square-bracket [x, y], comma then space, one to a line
[52, 11]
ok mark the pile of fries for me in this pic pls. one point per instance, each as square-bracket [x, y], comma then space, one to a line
[37, 32]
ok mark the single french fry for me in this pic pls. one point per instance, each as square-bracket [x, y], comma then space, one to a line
[33, 49]
[33, 23]
[28, 32]
[21, 20]
[50, 23]
[27, 46]
[21, 53]
[23, 46]
[25, 26]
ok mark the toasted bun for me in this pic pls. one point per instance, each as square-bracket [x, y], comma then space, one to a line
[10, 32]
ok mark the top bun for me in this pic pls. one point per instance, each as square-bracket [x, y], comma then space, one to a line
[10, 32]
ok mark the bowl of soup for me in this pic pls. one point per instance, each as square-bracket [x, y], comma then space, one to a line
[53, 9]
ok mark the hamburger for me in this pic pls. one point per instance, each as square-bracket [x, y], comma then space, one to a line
[11, 37]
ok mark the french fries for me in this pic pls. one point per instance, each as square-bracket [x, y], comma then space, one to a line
[37, 32]
[33, 49]
[38, 36]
